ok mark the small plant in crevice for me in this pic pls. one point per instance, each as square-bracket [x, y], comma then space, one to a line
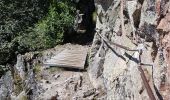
[37, 71]
[18, 87]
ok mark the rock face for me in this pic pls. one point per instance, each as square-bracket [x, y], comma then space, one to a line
[6, 86]
[129, 34]
[29, 79]
[115, 70]
[19, 83]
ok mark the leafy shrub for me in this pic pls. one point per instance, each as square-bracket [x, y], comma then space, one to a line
[49, 31]
[16, 16]
[35, 25]
[2, 71]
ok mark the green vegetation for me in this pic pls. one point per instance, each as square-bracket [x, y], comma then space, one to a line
[3, 69]
[17, 84]
[48, 31]
[32, 25]
[37, 71]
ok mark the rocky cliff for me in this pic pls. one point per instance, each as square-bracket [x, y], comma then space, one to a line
[141, 25]
[129, 58]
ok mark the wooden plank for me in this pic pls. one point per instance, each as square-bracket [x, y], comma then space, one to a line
[73, 58]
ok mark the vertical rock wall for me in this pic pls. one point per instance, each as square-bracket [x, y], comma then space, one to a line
[115, 70]
[19, 82]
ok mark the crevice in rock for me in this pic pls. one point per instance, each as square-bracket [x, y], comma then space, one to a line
[125, 12]
[84, 31]
[136, 17]
[141, 1]
[155, 51]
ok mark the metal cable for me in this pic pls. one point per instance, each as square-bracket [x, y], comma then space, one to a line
[142, 74]
[116, 44]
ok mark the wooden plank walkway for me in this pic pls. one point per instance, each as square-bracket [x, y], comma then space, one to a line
[72, 58]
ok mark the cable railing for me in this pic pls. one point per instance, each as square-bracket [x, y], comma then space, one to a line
[142, 74]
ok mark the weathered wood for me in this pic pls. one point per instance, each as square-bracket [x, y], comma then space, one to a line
[74, 58]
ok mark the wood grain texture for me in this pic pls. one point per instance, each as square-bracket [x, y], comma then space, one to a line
[74, 58]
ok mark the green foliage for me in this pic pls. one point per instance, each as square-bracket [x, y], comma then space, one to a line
[37, 71]
[34, 25]
[49, 31]
[18, 15]
[17, 84]
[1, 71]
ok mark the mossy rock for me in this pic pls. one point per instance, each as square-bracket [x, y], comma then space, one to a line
[18, 86]
[37, 71]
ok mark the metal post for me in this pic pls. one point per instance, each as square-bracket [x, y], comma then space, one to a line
[144, 79]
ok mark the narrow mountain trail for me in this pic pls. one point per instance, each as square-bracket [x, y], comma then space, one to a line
[64, 83]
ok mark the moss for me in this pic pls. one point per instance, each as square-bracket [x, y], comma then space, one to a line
[40, 54]
[37, 71]
[18, 86]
